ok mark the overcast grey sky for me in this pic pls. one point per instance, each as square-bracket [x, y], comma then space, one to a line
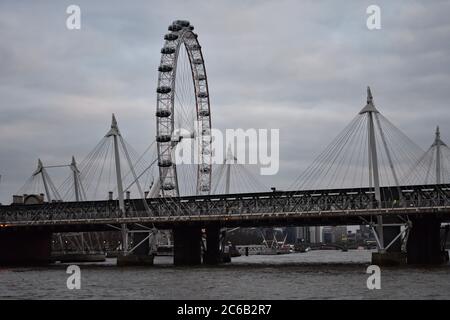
[300, 66]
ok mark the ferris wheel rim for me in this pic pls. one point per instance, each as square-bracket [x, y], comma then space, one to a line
[181, 35]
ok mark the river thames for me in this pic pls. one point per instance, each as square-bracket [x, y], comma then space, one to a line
[310, 275]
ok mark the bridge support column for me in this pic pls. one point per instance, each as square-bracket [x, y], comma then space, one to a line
[392, 254]
[212, 254]
[390, 233]
[140, 256]
[187, 246]
[424, 242]
[24, 248]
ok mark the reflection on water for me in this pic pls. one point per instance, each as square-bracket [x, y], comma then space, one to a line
[310, 275]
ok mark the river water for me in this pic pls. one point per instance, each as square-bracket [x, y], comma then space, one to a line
[310, 275]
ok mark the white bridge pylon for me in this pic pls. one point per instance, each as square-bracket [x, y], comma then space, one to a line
[369, 153]
[434, 165]
[111, 166]
[42, 179]
[234, 177]
[117, 138]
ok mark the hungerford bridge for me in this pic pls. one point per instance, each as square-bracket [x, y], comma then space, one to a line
[369, 175]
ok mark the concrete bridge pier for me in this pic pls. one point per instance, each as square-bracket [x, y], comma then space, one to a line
[25, 248]
[187, 245]
[212, 254]
[424, 242]
[423, 245]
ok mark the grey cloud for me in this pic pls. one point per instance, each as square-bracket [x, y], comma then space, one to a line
[301, 67]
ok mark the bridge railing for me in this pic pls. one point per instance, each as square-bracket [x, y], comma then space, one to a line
[94, 213]
[258, 203]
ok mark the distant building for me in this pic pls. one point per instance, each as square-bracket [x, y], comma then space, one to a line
[315, 235]
[291, 234]
[366, 232]
[352, 236]
[302, 234]
[327, 234]
[340, 233]
[334, 234]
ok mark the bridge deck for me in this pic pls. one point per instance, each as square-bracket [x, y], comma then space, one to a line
[310, 207]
